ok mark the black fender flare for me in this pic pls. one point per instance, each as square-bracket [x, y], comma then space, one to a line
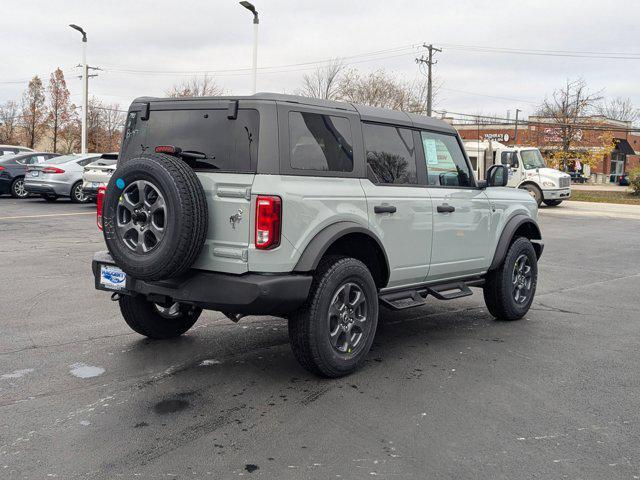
[509, 230]
[317, 247]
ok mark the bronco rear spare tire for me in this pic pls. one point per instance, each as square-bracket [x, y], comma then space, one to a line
[155, 217]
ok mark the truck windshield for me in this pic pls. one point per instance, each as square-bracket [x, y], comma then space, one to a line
[532, 159]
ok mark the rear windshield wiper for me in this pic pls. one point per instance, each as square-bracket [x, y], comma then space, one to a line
[197, 156]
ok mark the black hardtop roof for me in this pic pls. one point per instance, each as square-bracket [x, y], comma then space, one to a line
[368, 114]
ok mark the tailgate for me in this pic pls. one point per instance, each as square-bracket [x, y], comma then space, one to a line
[229, 203]
[97, 173]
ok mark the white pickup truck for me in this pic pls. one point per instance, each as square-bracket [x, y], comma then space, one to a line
[527, 170]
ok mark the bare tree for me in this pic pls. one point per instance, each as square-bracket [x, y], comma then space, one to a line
[324, 82]
[381, 89]
[114, 119]
[566, 108]
[618, 108]
[69, 138]
[9, 121]
[204, 86]
[59, 106]
[104, 126]
[34, 112]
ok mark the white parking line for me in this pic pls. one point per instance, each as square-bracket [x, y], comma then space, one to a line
[48, 215]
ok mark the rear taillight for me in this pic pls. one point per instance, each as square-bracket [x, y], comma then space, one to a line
[1, 168]
[268, 221]
[99, 202]
[52, 170]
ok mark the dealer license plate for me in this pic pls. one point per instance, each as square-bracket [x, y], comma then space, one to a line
[112, 278]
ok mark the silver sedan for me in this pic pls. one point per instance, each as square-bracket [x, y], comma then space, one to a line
[59, 177]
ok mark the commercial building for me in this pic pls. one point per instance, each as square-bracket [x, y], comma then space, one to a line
[547, 135]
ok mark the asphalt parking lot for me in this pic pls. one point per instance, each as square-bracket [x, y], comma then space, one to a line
[447, 392]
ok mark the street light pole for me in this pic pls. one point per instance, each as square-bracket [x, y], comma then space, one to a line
[256, 22]
[85, 87]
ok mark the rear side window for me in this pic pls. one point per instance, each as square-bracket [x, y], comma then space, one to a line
[446, 165]
[230, 145]
[320, 142]
[390, 154]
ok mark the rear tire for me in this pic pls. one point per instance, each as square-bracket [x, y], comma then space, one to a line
[509, 290]
[17, 188]
[152, 321]
[534, 191]
[77, 195]
[332, 333]
[552, 203]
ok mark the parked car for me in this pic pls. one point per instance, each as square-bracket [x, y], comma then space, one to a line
[97, 174]
[313, 210]
[59, 177]
[13, 168]
[13, 149]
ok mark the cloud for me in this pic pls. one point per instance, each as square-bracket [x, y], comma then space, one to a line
[162, 36]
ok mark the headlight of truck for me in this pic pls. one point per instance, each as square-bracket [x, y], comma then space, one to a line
[548, 184]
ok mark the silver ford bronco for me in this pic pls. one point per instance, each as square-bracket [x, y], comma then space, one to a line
[313, 210]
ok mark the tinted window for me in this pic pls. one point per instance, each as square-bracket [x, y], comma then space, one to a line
[446, 165]
[390, 153]
[320, 142]
[86, 161]
[229, 145]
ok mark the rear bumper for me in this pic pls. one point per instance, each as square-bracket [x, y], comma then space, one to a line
[52, 188]
[89, 190]
[557, 194]
[248, 294]
[5, 185]
[40, 189]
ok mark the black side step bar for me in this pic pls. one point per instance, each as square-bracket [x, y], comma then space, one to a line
[450, 291]
[416, 298]
[403, 300]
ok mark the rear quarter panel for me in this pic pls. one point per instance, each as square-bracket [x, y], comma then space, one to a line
[309, 204]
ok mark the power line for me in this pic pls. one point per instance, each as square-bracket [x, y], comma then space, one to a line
[501, 121]
[489, 96]
[546, 53]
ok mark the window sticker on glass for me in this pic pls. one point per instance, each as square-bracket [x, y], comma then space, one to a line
[430, 151]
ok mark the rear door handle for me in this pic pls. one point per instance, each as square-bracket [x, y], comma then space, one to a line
[446, 208]
[384, 209]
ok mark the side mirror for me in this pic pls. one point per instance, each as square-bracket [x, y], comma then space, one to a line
[497, 175]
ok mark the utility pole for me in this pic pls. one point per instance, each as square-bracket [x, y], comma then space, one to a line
[515, 134]
[430, 63]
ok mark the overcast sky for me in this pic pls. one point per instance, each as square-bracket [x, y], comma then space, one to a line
[141, 44]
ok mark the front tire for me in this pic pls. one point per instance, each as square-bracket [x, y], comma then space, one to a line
[509, 290]
[155, 321]
[333, 332]
[534, 191]
[552, 203]
[17, 188]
